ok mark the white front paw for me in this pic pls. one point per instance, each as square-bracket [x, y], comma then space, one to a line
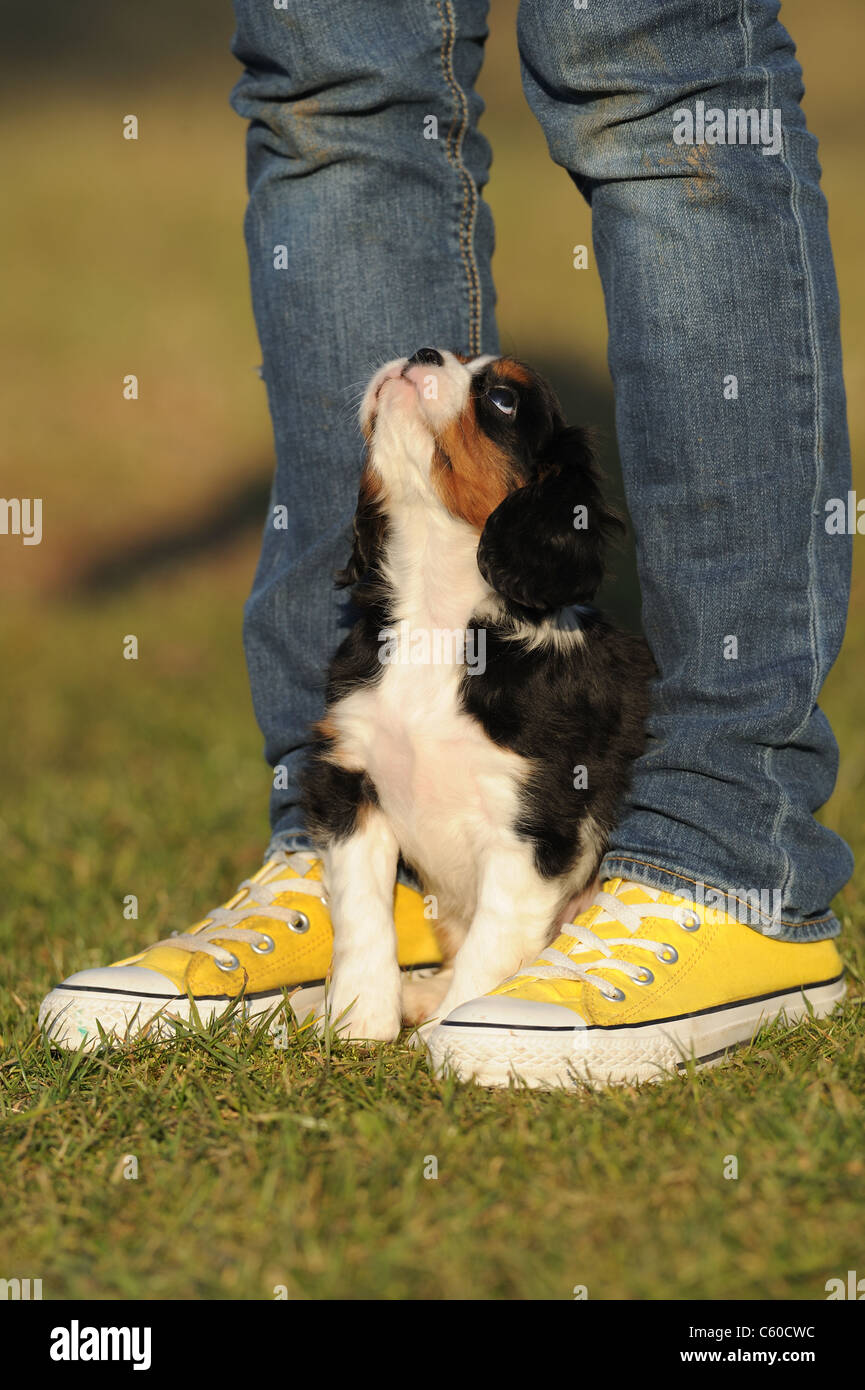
[362, 1014]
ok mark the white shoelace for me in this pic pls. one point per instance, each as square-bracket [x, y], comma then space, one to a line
[564, 965]
[226, 922]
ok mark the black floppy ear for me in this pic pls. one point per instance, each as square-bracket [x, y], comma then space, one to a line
[369, 527]
[543, 547]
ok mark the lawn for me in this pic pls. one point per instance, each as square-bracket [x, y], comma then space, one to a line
[259, 1166]
[307, 1167]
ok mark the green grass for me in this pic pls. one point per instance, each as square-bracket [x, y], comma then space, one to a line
[304, 1167]
[259, 1167]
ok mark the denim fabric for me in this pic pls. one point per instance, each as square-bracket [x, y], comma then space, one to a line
[716, 265]
[388, 247]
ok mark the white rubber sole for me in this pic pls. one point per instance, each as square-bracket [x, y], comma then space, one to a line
[71, 1017]
[568, 1058]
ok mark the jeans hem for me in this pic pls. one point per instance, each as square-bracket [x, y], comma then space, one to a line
[822, 928]
[287, 841]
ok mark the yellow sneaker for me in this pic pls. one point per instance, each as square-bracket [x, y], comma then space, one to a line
[273, 935]
[642, 982]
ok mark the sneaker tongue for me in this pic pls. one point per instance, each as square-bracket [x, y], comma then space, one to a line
[298, 865]
[634, 894]
[601, 920]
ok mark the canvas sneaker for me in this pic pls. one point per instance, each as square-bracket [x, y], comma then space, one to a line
[273, 936]
[639, 985]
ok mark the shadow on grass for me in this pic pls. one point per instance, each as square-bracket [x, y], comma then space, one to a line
[237, 513]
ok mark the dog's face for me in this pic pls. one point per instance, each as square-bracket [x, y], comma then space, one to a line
[485, 439]
[468, 432]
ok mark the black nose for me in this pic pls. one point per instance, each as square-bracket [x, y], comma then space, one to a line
[426, 357]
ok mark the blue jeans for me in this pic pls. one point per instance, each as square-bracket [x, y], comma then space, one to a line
[366, 168]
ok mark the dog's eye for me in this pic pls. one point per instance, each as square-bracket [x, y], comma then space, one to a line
[503, 398]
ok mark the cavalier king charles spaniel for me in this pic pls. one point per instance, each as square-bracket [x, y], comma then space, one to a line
[482, 716]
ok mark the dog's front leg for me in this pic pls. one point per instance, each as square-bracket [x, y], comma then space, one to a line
[515, 919]
[365, 994]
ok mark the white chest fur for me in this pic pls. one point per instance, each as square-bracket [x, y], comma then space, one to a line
[449, 793]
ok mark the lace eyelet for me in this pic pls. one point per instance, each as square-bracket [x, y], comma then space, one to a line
[301, 925]
[223, 965]
[265, 946]
[615, 995]
[693, 925]
[645, 979]
[668, 954]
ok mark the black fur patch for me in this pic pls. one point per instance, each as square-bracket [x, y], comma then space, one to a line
[583, 705]
[333, 797]
[535, 550]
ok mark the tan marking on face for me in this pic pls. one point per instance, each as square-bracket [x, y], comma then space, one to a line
[510, 371]
[470, 472]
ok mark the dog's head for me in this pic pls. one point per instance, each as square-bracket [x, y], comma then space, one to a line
[485, 439]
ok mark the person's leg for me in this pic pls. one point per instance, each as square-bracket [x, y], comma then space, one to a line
[724, 350]
[367, 237]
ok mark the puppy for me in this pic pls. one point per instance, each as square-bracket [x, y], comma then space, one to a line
[481, 715]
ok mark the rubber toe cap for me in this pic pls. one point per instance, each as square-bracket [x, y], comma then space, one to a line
[135, 980]
[509, 1011]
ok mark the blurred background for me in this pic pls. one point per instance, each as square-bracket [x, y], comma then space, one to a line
[146, 777]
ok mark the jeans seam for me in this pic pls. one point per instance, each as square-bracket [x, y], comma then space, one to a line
[770, 753]
[674, 873]
[454, 153]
